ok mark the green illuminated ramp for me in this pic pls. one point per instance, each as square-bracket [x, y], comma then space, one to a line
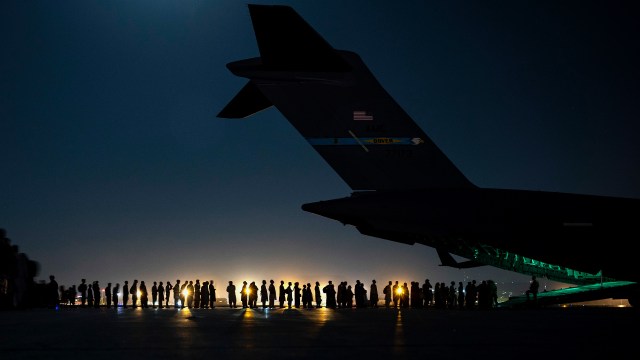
[606, 290]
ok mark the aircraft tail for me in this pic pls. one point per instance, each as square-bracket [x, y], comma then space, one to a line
[334, 101]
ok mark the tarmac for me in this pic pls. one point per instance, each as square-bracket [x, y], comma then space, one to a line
[223, 333]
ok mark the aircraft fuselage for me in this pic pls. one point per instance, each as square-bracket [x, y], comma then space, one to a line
[558, 228]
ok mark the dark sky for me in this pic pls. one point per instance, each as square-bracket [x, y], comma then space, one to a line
[114, 165]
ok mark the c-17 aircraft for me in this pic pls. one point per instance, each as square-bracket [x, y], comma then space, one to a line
[405, 189]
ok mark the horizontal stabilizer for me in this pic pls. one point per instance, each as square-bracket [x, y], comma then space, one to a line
[287, 42]
[247, 102]
[448, 260]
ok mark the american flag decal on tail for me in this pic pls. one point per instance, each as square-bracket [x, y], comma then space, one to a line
[361, 115]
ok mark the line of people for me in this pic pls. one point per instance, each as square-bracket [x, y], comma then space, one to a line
[441, 296]
[192, 294]
[187, 294]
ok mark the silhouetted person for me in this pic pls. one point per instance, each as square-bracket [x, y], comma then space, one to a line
[441, 295]
[343, 297]
[133, 290]
[196, 294]
[373, 297]
[297, 294]
[90, 296]
[63, 295]
[289, 293]
[53, 298]
[419, 295]
[176, 294]
[96, 294]
[474, 293]
[190, 294]
[244, 295]
[533, 289]
[437, 297]
[331, 295]
[493, 293]
[23, 271]
[318, 294]
[272, 295]
[396, 290]
[154, 294]
[141, 292]
[114, 295]
[307, 296]
[253, 295]
[204, 295]
[404, 299]
[183, 294]
[469, 298]
[231, 290]
[160, 294]
[144, 295]
[361, 294]
[452, 295]
[125, 294]
[484, 295]
[310, 296]
[264, 294]
[212, 295]
[443, 291]
[71, 297]
[388, 293]
[167, 290]
[414, 294]
[460, 295]
[82, 288]
[357, 292]
[304, 296]
[446, 293]
[427, 293]
[7, 267]
[349, 296]
[107, 295]
[282, 294]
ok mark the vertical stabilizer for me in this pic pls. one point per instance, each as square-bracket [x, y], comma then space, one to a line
[334, 101]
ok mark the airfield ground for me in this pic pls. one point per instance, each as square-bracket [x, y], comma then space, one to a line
[223, 333]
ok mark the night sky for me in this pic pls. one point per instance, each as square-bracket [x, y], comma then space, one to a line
[115, 167]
